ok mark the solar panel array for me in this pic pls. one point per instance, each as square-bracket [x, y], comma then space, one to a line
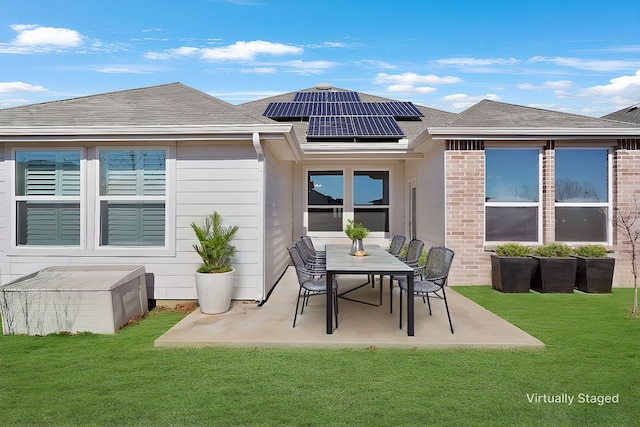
[342, 114]
[353, 127]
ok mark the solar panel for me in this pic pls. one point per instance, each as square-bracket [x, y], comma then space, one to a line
[360, 109]
[376, 126]
[337, 126]
[284, 110]
[400, 110]
[343, 96]
[321, 109]
[310, 96]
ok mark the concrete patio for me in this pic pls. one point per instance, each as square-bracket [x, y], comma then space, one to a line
[360, 326]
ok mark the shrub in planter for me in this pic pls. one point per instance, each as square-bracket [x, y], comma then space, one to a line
[594, 272]
[511, 268]
[556, 268]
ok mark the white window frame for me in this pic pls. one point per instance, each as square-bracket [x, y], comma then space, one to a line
[169, 200]
[81, 199]
[89, 206]
[338, 207]
[608, 204]
[348, 206]
[539, 204]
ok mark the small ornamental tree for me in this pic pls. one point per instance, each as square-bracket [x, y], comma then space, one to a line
[627, 222]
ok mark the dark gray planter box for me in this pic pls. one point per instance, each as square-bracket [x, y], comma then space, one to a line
[595, 274]
[554, 274]
[512, 274]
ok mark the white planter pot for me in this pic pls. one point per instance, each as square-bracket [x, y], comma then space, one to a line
[215, 291]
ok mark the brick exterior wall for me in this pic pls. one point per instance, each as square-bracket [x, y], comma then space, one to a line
[465, 194]
[549, 193]
[465, 217]
[626, 170]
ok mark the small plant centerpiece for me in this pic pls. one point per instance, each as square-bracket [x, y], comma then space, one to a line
[556, 270]
[594, 271]
[215, 276]
[356, 232]
[512, 268]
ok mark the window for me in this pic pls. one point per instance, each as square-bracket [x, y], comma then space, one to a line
[582, 194]
[512, 195]
[325, 200]
[47, 194]
[364, 195]
[132, 197]
[371, 199]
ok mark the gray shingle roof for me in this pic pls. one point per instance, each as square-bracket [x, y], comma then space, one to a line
[168, 104]
[492, 114]
[628, 114]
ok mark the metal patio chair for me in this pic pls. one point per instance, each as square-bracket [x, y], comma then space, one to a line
[412, 258]
[312, 282]
[434, 279]
[311, 247]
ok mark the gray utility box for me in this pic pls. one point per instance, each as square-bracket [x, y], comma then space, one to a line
[93, 298]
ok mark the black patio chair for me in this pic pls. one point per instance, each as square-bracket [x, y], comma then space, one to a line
[311, 247]
[311, 261]
[412, 259]
[312, 282]
[434, 279]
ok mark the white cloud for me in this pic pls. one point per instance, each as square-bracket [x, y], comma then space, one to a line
[587, 64]
[412, 82]
[414, 79]
[552, 85]
[239, 51]
[247, 51]
[376, 64]
[309, 67]
[9, 87]
[33, 35]
[259, 70]
[461, 101]
[474, 62]
[407, 88]
[621, 90]
[558, 84]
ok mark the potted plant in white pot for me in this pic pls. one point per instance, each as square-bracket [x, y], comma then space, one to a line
[356, 232]
[215, 277]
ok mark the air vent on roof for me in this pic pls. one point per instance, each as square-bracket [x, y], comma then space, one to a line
[323, 86]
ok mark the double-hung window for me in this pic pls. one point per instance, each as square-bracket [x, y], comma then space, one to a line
[325, 200]
[371, 199]
[512, 195]
[335, 196]
[132, 197]
[582, 194]
[48, 197]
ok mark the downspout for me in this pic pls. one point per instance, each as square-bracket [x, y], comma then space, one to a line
[261, 187]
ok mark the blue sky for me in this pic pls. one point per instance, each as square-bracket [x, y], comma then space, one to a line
[579, 56]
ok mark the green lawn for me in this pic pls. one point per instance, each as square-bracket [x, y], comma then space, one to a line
[592, 347]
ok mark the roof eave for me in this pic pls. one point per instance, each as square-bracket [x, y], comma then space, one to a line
[528, 133]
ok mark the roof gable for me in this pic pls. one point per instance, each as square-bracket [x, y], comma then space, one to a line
[492, 114]
[168, 104]
[628, 114]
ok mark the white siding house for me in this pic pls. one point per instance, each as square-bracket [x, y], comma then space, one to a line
[118, 178]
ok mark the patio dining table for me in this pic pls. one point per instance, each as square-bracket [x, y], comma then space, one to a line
[377, 261]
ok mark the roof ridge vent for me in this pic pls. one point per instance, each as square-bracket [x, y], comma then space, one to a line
[324, 86]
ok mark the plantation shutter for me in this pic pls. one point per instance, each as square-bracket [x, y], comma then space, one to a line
[52, 175]
[133, 211]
